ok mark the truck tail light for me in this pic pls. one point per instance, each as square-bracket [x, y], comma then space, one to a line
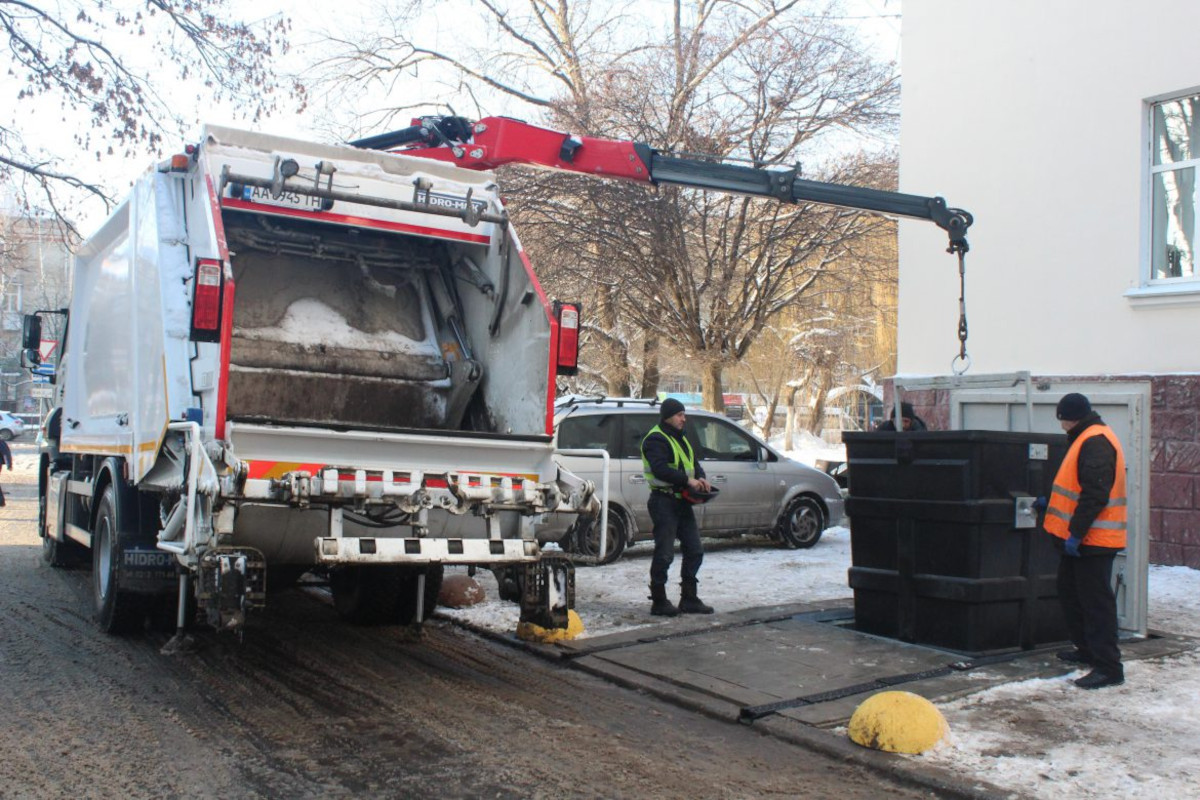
[206, 301]
[568, 337]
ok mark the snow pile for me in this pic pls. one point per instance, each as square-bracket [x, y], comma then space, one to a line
[808, 448]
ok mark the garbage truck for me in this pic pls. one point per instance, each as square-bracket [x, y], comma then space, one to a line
[283, 357]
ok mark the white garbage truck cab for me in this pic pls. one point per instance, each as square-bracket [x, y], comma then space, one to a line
[284, 357]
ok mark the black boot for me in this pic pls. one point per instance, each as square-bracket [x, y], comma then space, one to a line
[689, 603]
[662, 607]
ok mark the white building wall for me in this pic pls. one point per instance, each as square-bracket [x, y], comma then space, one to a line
[1031, 114]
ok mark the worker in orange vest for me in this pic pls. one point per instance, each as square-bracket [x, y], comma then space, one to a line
[1087, 515]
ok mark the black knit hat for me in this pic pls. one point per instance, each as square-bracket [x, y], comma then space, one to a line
[670, 408]
[1073, 407]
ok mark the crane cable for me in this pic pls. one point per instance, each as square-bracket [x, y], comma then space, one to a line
[962, 362]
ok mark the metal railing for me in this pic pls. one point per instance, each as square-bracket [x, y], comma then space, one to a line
[606, 458]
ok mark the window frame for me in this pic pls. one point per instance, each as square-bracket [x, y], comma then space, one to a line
[757, 450]
[627, 421]
[1151, 290]
[572, 421]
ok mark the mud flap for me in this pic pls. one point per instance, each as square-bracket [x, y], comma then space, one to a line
[231, 582]
[548, 591]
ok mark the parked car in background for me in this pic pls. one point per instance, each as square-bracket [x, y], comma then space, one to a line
[10, 427]
[761, 491]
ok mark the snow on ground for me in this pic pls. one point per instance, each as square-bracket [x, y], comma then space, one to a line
[737, 574]
[25, 458]
[1042, 738]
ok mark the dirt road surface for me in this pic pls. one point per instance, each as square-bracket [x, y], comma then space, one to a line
[309, 707]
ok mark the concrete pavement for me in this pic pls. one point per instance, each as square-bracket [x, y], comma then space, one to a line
[798, 672]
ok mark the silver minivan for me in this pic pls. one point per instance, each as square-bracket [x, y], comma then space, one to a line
[761, 491]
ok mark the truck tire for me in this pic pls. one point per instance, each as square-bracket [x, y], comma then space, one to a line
[801, 524]
[584, 540]
[117, 612]
[510, 583]
[367, 595]
[406, 607]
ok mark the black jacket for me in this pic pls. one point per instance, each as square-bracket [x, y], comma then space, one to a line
[1097, 469]
[918, 424]
[657, 451]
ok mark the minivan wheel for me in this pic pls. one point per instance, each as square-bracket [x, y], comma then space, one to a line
[584, 539]
[6, 434]
[801, 524]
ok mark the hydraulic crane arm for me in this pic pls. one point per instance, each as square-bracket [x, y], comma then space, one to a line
[495, 141]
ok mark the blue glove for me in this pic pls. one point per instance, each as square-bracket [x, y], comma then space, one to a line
[1071, 547]
[1041, 504]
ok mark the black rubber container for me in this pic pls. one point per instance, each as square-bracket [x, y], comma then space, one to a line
[936, 556]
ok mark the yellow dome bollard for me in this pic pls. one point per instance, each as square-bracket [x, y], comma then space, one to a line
[529, 632]
[897, 722]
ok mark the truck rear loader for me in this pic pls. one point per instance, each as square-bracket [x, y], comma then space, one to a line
[284, 357]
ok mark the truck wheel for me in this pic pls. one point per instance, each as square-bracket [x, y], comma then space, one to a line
[366, 595]
[116, 611]
[585, 541]
[801, 524]
[510, 583]
[406, 607]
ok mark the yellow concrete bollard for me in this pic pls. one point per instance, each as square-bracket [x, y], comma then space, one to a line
[897, 722]
[529, 632]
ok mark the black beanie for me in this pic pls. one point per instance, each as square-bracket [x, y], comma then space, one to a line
[670, 408]
[1073, 407]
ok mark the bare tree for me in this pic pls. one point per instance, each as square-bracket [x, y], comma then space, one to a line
[763, 80]
[124, 67]
[840, 333]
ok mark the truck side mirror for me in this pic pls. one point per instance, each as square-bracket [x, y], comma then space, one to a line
[31, 335]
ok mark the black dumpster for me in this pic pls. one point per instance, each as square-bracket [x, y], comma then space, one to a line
[937, 555]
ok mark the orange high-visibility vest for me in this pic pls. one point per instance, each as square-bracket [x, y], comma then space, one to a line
[1108, 529]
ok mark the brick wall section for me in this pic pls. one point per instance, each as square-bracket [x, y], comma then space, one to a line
[1174, 459]
[1175, 470]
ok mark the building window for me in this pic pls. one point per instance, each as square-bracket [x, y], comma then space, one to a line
[1175, 156]
[10, 295]
[10, 304]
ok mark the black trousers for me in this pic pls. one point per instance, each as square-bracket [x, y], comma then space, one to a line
[674, 519]
[1090, 609]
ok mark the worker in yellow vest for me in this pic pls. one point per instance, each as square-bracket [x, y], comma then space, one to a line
[1087, 515]
[677, 482]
